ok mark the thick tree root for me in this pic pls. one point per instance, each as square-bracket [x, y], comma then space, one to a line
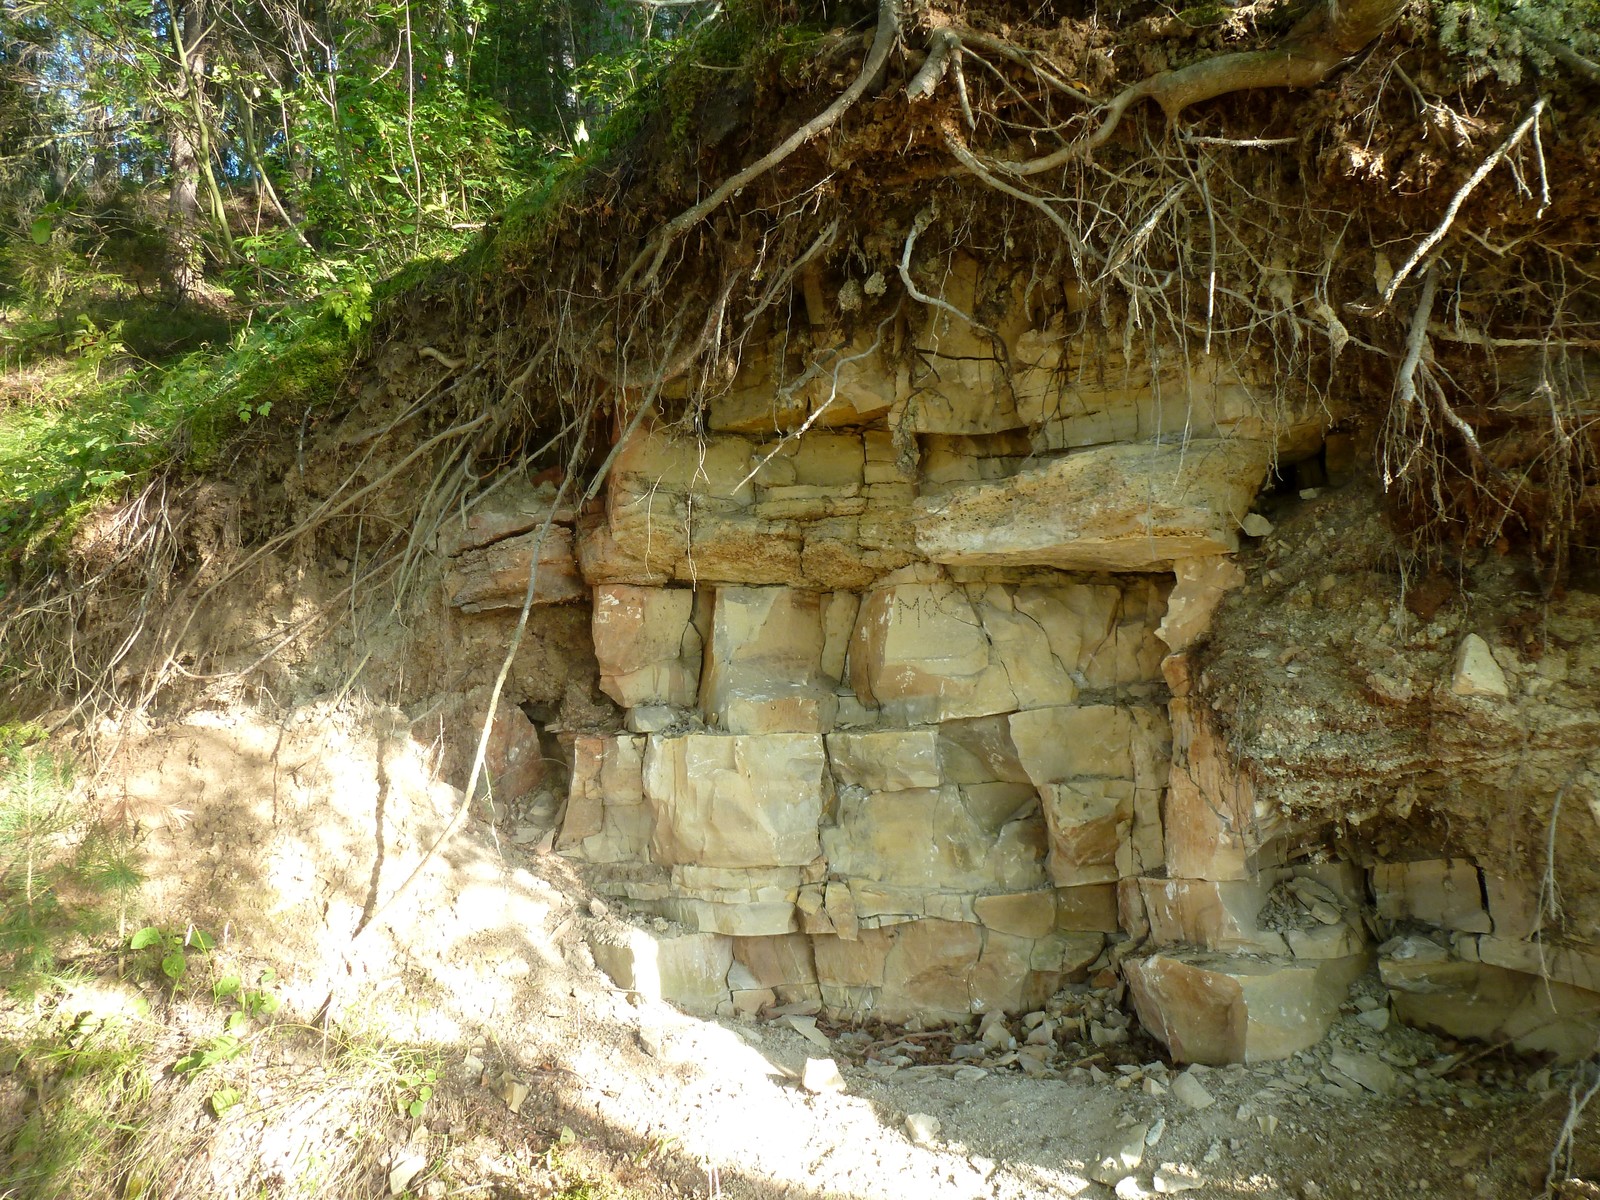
[1323, 40]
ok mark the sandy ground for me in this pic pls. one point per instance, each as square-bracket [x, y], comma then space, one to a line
[546, 1076]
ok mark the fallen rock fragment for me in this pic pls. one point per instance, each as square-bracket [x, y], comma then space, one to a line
[513, 1091]
[806, 1027]
[410, 1163]
[1217, 1009]
[922, 1128]
[1122, 1157]
[821, 1075]
[1192, 1092]
[1368, 1070]
[1175, 1177]
[1476, 672]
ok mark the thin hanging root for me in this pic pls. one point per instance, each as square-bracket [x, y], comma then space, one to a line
[655, 251]
[1001, 353]
[967, 159]
[1460, 198]
[780, 283]
[1012, 53]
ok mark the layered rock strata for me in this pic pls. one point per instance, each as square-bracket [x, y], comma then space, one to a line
[908, 728]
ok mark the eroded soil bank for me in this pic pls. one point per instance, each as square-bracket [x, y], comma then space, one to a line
[1006, 586]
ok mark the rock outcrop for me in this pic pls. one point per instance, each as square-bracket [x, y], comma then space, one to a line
[911, 725]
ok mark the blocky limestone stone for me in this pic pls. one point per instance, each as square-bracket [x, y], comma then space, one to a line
[687, 509]
[763, 667]
[637, 882]
[741, 901]
[1513, 906]
[850, 388]
[646, 644]
[496, 576]
[1213, 915]
[1119, 507]
[889, 760]
[927, 648]
[1481, 1000]
[785, 965]
[1213, 1008]
[1092, 741]
[1025, 914]
[1088, 820]
[606, 819]
[737, 918]
[951, 461]
[1131, 915]
[1075, 391]
[958, 380]
[722, 800]
[686, 969]
[920, 653]
[514, 758]
[980, 750]
[839, 907]
[662, 718]
[938, 838]
[1310, 911]
[945, 969]
[1443, 892]
[1099, 770]
[1088, 908]
[1575, 963]
[1214, 826]
[517, 509]
[1201, 584]
[838, 623]
[746, 996]
[1106, 634]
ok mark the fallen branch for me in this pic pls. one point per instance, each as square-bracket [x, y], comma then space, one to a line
[656, 251]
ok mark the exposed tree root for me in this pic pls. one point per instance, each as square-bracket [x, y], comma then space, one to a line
[1327, 38]
[655, 252]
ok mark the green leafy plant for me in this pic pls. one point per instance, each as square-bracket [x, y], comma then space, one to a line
[414, 1089]
[253, 1003]
[221, 1048]
[168, 952]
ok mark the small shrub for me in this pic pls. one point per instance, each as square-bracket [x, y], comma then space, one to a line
[63, 873]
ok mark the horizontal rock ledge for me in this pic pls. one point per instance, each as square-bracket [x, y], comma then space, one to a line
[1109, 508]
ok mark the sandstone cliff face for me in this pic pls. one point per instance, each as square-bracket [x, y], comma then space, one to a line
[915, 722]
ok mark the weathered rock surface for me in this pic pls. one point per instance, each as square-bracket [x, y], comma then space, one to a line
[1110, 508]
[923, 706]
[1211, 1008]
[496, 576]
[732, 801]
[647, 645]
